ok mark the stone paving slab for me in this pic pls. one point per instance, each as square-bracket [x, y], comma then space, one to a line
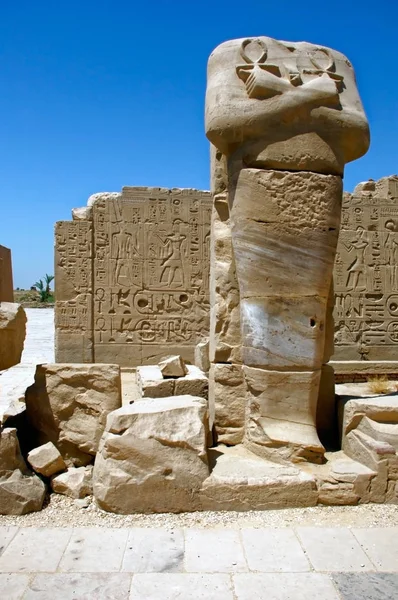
[213, 551]
[284, 586]
[181, 586]
[274, 550]
[154, 551]
[35, 550]
[93, 550]
[381, 545]
[82, 586]
[333, 549]
[366, 586]
[7, 533]
[13, 586]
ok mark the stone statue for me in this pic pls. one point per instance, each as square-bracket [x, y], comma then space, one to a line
[286, 117]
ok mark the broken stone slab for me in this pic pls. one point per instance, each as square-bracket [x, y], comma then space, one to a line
[68, 405]
[195, 383]
[385, 432]
[242, 481]
[173, 366]
[151, 383]
[12, 334]
[76, 482]
[46, 460]
[383, 409]
[152, 456]
[21, 491]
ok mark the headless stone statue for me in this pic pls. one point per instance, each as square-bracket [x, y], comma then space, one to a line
[286, 117]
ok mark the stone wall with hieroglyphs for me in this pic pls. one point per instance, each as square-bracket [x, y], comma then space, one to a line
[144, 290]
[366, 274]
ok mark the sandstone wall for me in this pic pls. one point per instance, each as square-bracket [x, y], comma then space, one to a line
[132, 274]
[6, 284]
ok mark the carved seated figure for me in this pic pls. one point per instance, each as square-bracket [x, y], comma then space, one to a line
[288, 117]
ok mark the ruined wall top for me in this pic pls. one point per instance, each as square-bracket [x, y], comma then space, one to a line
[290, 105]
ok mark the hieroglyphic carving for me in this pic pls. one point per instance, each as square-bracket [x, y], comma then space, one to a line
[73, 280]
[366, 274]
[149, 266]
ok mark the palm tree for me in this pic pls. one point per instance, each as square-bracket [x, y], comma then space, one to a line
[44, 287]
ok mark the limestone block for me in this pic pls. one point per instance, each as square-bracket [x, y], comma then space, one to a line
[151, 383]
[241, 481]
[10, 453]
[75, 482]
[195, 383]
[12, 334]
[20, 494]
[375, 455]
[202, 356]
[21, 491]
[227, 402]
[281, 411]
[343, 481]
[287, 105]
[383, 409]
[385, 432]
[152, 456]
[68, 405]
[46, 460]
[173, 366]
[392, 492]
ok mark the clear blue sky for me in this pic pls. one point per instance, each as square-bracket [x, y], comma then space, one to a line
[95, 95]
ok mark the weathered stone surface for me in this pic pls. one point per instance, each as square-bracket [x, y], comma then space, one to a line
[46, 459]
[284, 118]
[82, 214]
[173, 366]
[281, 413]
[241, 480]
[366, 276]
[6, 283]
[12, 334]
[195, 383]
[227, 402]
[68, 405]
[256, 88]
[132, 279]
[21, 491]
[383, 409]
[202, 356]
[151, 383]
[75, 482]
[152, 456]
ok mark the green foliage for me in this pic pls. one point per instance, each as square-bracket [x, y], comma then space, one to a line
[43, 287]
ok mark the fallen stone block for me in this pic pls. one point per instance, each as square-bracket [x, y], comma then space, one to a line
[202, 356]
[12, 334]
[195, 383]
[46, 460]
[152, 456]
[151, 383]
[173, 366]
[68, 405]
[75, 482]
[21, 491]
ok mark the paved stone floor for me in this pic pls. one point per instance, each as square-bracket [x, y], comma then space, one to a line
[301, 563]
